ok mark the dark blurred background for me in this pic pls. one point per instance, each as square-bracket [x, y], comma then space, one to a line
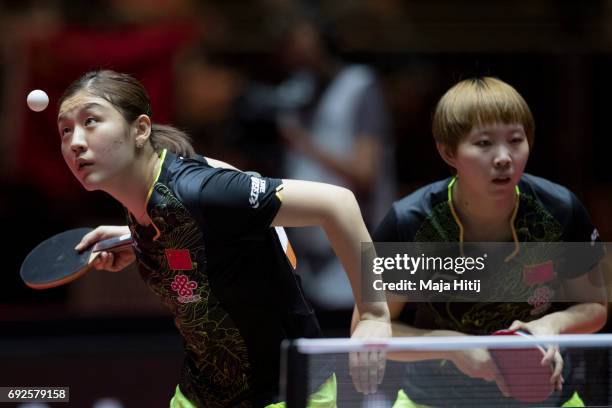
[225, 72]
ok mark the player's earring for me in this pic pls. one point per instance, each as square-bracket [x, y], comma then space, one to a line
[139, 145]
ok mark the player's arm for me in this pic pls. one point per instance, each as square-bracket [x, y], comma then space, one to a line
[589, 316]
[587, 289]
[586, 317]
[401, 329]
[476, 363]
[389, 231]
[335, 209]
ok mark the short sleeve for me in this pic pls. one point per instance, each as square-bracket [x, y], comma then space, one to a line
[234, 203]
[585, 248]
[387, 230]
[580, 228]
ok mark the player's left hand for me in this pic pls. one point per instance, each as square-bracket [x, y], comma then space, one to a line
[552, 356]
[367, 368]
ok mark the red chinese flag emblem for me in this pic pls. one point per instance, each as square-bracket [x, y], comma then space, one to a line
[179, 259]
[538, 274]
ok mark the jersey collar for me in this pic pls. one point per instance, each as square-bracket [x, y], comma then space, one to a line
[460, 225]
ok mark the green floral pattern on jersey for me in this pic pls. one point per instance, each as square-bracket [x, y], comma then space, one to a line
[440, 226]
[217, 369]
[532, 224]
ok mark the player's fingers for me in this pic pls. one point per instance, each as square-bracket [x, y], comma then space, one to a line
[90, 238]
[98, 234]
[499, 380]
[382, 363]
[373, 370]
[110, 262]
[517, 324]
[364, 373]
[354, 370]
[122, 260]
[503, 387]
[118, 262]
[104, 261]
[487, 376]
[487, 373]
[549, 355]
[558, 369]
[560, 383]
[85, 243]
[98, 261]
[492, 372]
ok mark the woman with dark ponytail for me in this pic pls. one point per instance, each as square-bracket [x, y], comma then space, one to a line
[208, 241]
[129, 97]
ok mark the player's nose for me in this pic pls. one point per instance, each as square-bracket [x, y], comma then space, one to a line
[78, 141]
[502, 157]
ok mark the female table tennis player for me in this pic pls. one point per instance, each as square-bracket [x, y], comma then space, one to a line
[484, 131]
[204, 243]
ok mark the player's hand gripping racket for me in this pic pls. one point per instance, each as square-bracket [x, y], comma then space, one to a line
[527, 379]
[55, 261]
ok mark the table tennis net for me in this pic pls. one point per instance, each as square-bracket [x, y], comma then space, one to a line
[310, 366]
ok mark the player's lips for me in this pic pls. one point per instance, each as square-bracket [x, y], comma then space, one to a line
[502, 180]
[81, 164]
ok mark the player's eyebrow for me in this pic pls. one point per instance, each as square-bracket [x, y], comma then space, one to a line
[84, 107]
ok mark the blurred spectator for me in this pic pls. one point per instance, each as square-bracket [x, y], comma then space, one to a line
[335, 125]
[210, 104]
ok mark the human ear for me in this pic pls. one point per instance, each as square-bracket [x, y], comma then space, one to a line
[447, 154]
[142, 130]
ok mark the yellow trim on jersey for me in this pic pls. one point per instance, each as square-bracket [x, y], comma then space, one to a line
[452, 208]
[512, 219]
[162, 158]
[279, 192]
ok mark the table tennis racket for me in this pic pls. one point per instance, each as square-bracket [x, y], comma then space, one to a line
[55, 262]
[527, 379]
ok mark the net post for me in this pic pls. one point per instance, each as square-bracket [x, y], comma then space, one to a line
[294, 378]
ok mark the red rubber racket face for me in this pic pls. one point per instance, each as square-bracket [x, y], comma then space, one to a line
[527, 379]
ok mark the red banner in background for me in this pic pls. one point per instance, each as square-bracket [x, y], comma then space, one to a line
[147, 53]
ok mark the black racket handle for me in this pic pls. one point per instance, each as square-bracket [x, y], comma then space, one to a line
[115, 244]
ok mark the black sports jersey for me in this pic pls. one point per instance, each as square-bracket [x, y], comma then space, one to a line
[545, 212]
[213, 259]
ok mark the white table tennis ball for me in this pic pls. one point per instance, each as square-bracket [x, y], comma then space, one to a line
[38, 100]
